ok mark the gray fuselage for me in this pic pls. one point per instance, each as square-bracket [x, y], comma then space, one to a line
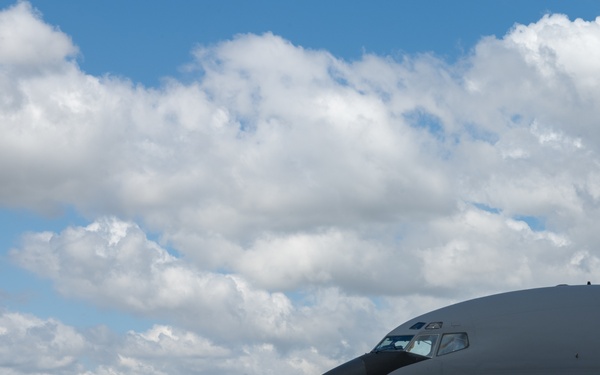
[550, 331]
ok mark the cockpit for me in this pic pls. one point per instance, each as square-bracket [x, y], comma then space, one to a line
[427, 343]
[406, 346]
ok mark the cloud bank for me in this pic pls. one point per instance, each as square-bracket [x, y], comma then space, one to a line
[312, 203]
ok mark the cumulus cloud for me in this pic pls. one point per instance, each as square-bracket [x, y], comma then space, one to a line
[313, 203]
[31, 345]
[27, 41]
[112, 264]
[324, 259]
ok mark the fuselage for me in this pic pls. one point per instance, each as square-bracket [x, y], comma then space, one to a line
[550, 331]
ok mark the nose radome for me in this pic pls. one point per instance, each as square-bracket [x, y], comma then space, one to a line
[355, 366]
[377, 363]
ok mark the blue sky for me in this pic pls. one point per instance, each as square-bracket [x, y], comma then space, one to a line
[145, 41]
[150, 213]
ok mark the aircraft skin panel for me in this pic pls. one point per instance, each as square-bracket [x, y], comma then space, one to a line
[550, 331]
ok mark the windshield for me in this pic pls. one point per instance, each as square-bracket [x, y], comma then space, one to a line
[393, 343]
[423, 345]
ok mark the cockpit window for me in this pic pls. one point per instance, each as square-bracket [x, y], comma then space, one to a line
[393, 343]
[423, 345]
[452, 342]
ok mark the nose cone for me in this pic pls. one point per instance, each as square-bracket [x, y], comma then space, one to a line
[355, 366]
[381, 363]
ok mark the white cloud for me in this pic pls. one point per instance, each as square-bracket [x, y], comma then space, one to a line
[330, 258]
[34, 346]
[31, 345]
[111, 263]
[27, 42]
[557, 44]
[315, 203]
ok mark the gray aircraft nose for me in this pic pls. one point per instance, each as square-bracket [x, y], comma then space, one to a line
[355, 366]
[376, 363]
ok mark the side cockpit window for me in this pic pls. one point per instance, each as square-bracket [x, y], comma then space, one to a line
[453, 342]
